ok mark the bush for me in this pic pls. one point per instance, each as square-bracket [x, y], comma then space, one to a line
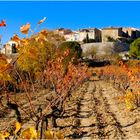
[74, 49]
[73, 46]
[37, 50]
[129, 40]
[133, 63]
[135, 49]
[125, 40]
[110, 39]
[89, 40]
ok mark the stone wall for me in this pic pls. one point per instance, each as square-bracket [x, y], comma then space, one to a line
[105, 48]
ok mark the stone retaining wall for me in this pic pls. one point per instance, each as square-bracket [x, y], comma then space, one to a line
[105, 48]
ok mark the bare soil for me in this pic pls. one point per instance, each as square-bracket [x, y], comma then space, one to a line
[92, 112]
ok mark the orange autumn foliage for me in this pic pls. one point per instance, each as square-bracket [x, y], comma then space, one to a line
[25, 28]
[2, 23]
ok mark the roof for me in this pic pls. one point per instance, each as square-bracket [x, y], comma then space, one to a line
[112, 28]
[10, 42]
[60, 29]
[87, 29]
[63, 29]
[71, 33]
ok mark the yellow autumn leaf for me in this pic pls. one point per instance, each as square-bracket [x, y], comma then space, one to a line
[5, 77]
[44, 32]
[1, 137]
[18, 127]
[26, 134]
[49, 134]
[129, 105]
[129, 100]
[33, 132]
[24, 42]
[6, 134]
[59, 135]
[29, 133]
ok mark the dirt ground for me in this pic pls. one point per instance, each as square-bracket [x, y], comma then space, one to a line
[93, 112]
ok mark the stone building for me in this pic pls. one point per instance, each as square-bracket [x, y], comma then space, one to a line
[63, 31]
[111, 32]
[108, 34]
[80, 35]
[9, 48]
[93, 33]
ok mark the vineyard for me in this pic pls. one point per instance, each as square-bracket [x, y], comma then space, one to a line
[126, 79]
[48, 92]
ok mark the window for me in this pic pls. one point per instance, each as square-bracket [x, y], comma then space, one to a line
[14, 50]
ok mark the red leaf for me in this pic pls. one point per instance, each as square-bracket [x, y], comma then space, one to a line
[3, 23]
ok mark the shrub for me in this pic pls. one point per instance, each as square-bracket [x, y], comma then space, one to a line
[110, 39]
[135, 49]
[74, 49]
[129, 40]
[89, 41]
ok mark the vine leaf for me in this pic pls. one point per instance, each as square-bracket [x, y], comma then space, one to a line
[49, 134]
[25, 28]
[41, 21]
[18, 127]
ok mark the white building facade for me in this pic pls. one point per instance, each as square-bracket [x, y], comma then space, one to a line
[74, 36]
[93, 33]
[9, 48]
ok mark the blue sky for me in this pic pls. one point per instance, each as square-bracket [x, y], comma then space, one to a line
[68, 14]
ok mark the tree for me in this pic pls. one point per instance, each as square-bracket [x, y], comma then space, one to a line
[129, 40]
[135, 48]
[127, 35]
[92, 40]
[88, 40]
[74, 50]
[110, 39]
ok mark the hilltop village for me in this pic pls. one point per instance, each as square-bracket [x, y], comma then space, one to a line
[99, 35]
[104, 41]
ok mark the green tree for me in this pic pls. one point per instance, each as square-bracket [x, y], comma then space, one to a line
[110, 39]
[135, 48]
[75, 51]
[86, 39]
